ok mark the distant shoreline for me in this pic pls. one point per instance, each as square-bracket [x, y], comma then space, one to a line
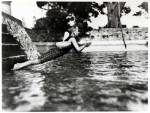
[132, 45]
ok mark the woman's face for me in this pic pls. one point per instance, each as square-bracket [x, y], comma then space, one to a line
[71, 23]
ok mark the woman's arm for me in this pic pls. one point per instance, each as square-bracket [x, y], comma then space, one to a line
[66, 36]
[77, 47]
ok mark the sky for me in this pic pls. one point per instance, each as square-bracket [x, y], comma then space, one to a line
[27, 11]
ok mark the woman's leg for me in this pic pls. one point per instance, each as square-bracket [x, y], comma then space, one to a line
[75, 44]
[25, 64]
[63, 44]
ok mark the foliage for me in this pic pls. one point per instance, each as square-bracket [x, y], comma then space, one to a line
[125, 10]
[41, 4]
[144, 6]
[54, 23]
[55, 20]
[139, 13]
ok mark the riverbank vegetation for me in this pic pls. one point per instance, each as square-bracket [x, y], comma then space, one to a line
[52, 27]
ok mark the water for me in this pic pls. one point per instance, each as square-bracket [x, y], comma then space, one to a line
[92, 81]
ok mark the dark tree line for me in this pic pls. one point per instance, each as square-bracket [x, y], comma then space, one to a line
[55, 20]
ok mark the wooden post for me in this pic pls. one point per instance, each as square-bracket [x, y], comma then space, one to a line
[119, 12]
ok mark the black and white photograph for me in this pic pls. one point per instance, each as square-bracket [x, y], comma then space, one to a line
[74, 56]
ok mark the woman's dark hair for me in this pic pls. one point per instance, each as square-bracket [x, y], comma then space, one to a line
[70, 18]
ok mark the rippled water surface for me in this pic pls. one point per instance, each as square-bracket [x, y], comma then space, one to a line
[93, 81]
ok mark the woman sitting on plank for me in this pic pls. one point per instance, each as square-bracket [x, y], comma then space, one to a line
[70, 37]
[69, 41]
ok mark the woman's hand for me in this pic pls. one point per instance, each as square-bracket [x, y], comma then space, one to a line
[88, 44]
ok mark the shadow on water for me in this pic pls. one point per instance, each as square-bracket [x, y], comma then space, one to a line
[102, 81]
[22, 91]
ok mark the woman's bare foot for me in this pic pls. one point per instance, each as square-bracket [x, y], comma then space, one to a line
[17, 66]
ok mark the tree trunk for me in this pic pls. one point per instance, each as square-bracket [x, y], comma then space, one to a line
[113, 13]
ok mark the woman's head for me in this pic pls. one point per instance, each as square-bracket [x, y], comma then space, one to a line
[71, 20]
[71, 23]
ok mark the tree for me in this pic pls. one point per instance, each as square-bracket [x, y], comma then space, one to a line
[144, 6]
[57, 12]
[114, 13]
[82, 10]
[53, 26]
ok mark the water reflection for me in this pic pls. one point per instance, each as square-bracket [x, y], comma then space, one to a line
[22, 91]
[130, 81]
[94, 81]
